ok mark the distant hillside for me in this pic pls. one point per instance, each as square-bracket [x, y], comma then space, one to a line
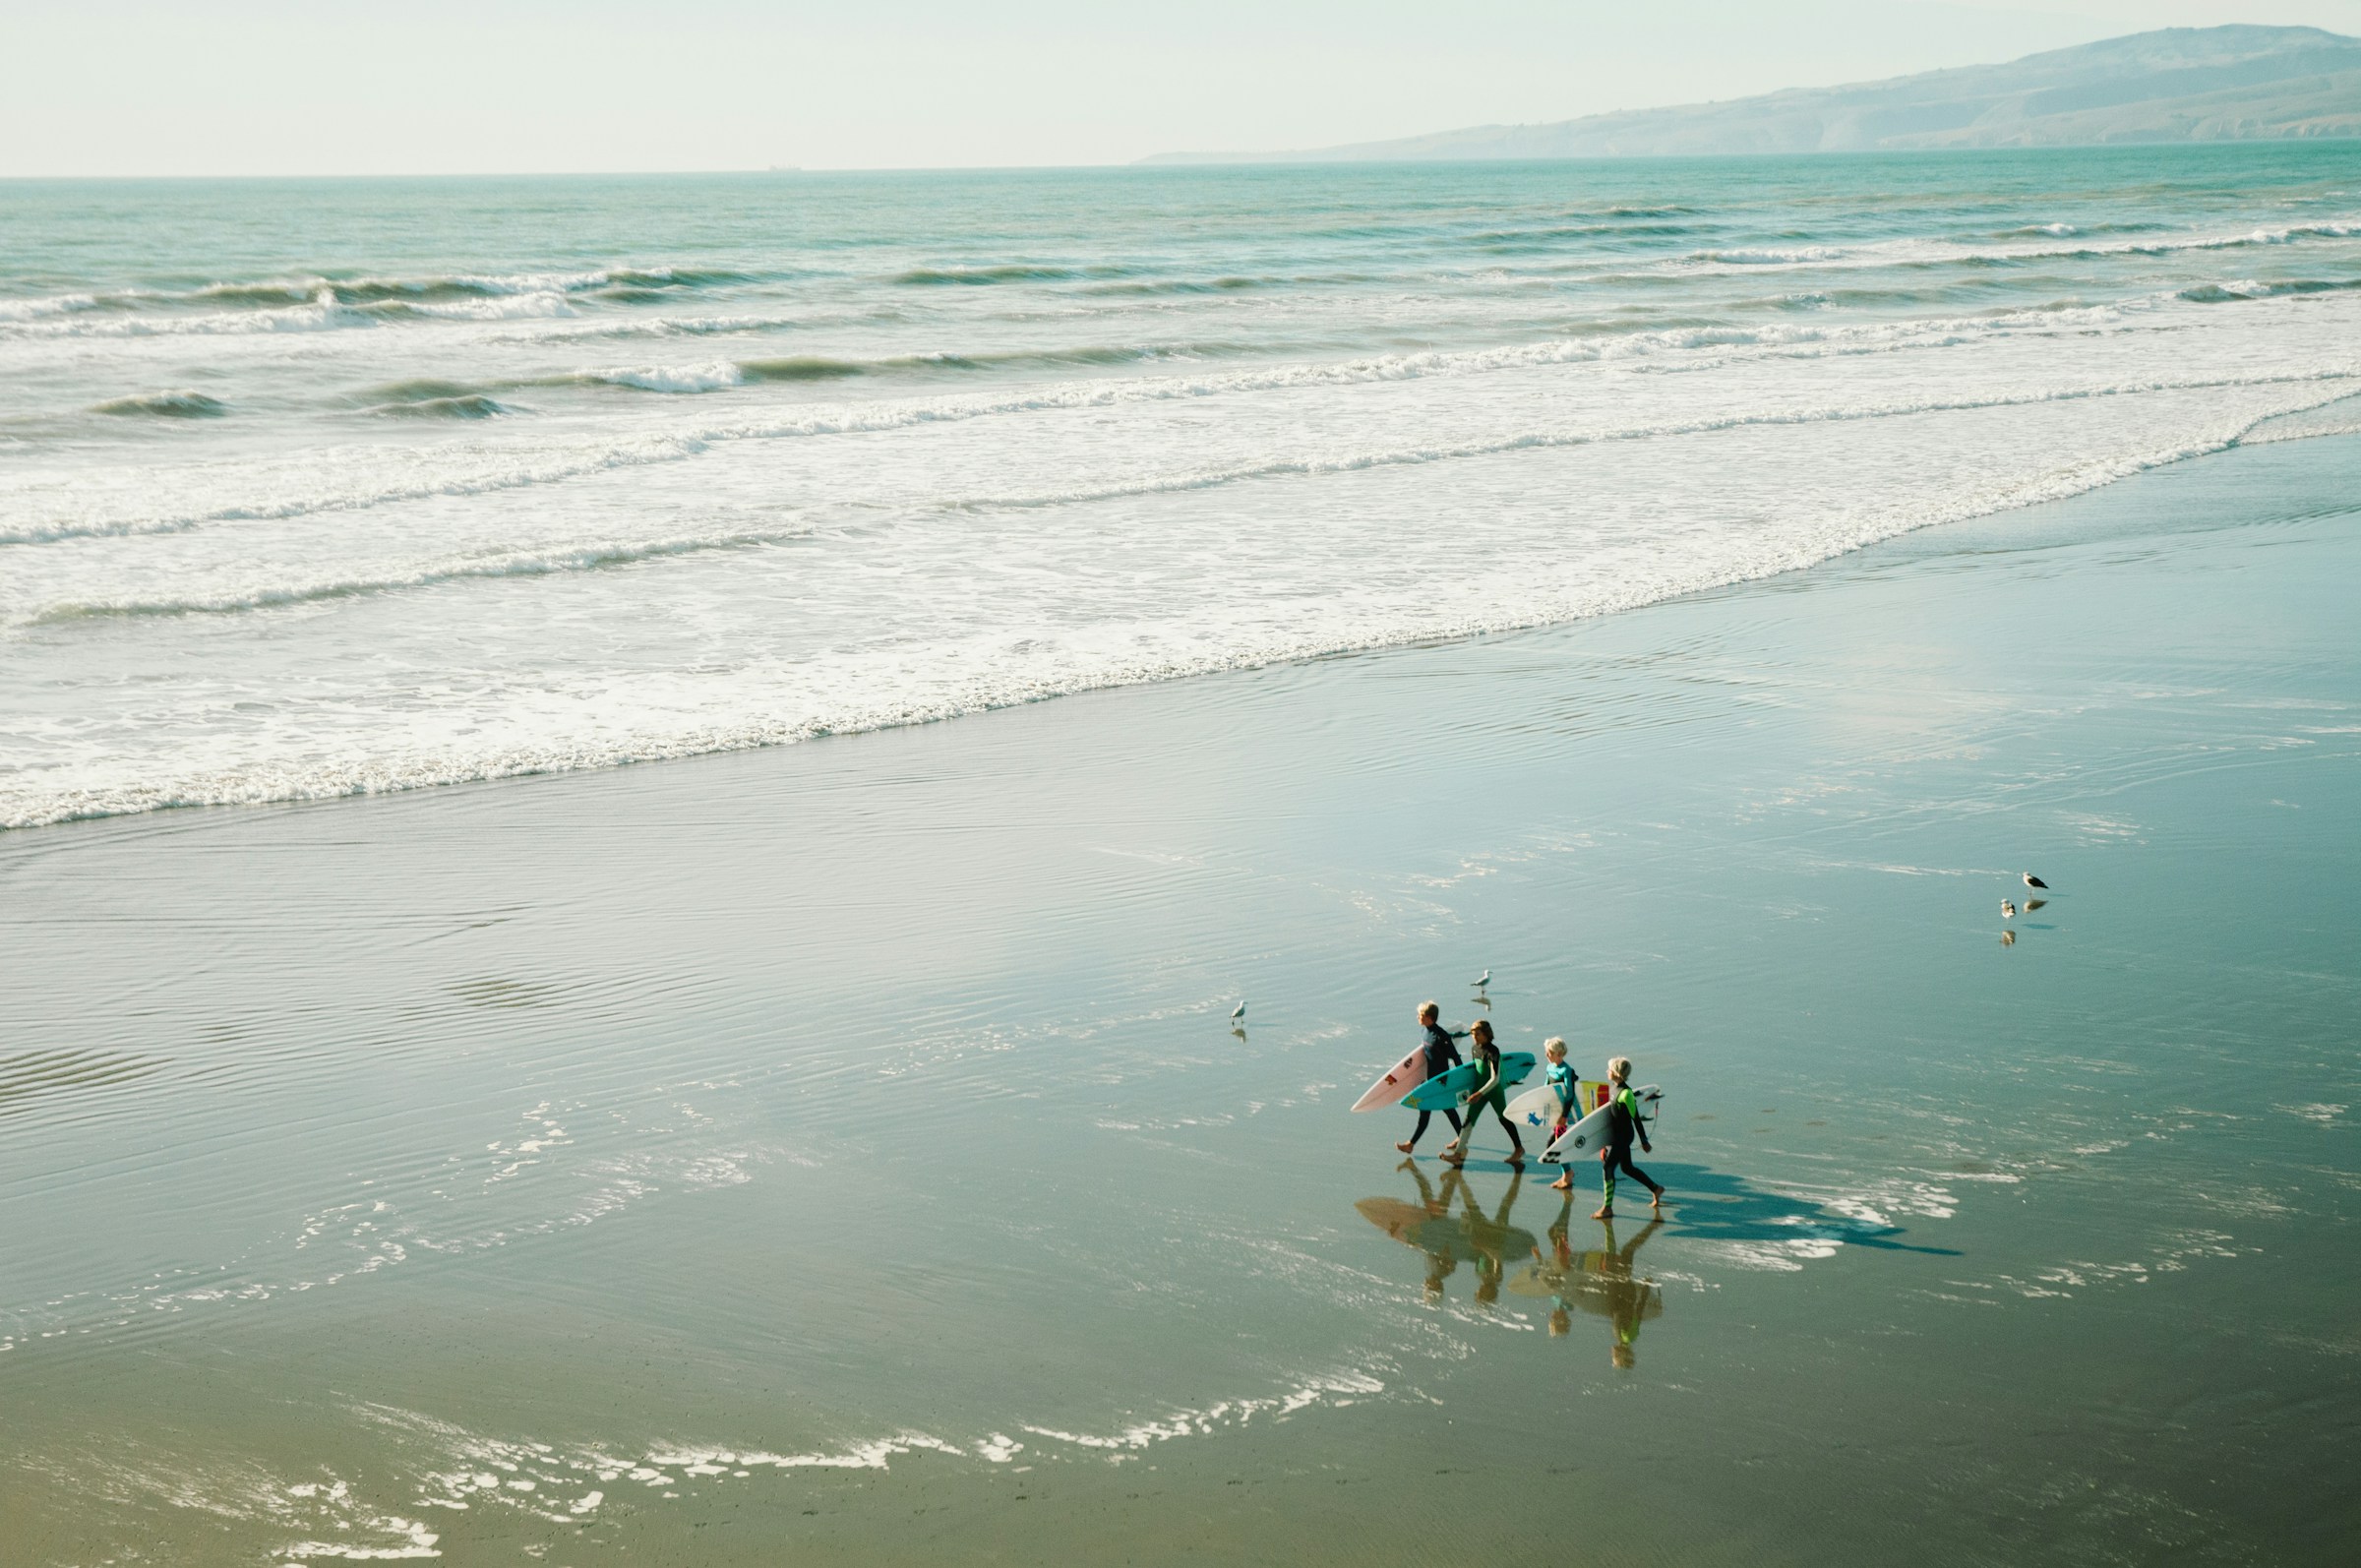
[2177, 85]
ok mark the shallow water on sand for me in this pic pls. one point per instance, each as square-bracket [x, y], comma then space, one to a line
[842, 1152]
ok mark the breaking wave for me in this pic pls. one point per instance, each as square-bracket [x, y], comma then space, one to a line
[183, 404]
[465, 406]
[818, 420]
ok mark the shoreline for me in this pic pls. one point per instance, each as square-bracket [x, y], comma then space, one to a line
[2051, 490]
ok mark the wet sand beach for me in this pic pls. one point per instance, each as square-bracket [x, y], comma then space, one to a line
[840, 1153]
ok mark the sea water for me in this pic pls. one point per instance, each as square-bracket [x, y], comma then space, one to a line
[310, 488]
[841, 1153]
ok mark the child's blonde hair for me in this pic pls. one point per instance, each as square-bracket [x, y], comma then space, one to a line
[1555, 1048]
[1619, 1069]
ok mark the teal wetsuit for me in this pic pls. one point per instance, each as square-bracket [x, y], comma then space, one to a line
[1565, 1086]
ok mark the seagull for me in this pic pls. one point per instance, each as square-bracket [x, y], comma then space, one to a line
[2030, 880]
[1237, 1012]
[2008, 911]
[1484, 979]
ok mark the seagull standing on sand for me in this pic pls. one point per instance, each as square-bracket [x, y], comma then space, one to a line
[1484, 979]
[2030, 880]
[1238, 1012]
[2008, 911]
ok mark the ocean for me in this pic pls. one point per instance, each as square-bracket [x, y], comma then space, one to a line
[842, 1152]
[313, 488]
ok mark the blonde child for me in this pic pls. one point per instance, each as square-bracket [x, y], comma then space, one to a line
[1568, 1089]
[1622, 1127]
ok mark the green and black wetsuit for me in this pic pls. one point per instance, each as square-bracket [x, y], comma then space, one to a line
[1624, 1122]
[1491, 1093]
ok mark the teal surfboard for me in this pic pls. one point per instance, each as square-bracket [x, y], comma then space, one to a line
[1442, 1093]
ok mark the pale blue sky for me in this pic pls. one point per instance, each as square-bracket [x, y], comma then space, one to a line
[275, 86]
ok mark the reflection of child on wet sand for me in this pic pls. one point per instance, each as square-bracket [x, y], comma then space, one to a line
[1488, 1242]
[1602, 1283]
[1440, 1265]
[1490, 1238]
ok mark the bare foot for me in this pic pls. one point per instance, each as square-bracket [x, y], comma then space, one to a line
[1451, 1158]
[1517, 1158]
[1404, 1147]
[1563, 1184]
[1603, 1214]
[1658, 1201]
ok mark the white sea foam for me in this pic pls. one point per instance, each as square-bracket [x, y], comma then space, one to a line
[322, 314]
[33, 310]
[489, 469]
[713, 376]
[541, 303]
[649, 558]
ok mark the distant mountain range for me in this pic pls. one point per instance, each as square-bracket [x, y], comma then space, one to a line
[2225, 84]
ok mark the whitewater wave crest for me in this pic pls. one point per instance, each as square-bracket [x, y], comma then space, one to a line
[836, 419]
[184, 403]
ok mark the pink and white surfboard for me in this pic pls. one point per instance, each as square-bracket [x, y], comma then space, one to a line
[1401, 1078]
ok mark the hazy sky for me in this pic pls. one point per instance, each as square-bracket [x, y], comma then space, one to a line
[256, 86]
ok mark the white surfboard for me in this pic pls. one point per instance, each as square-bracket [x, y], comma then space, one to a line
[1535, 1112]
[1589, 1135]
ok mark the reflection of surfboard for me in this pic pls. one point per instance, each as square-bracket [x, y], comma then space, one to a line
[1442, 1093]
[1400, 1079]
[1589, 1135]
[1394, 1217]
[1595, 1286]
[1447, 1238]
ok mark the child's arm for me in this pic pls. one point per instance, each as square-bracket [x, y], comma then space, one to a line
[1489, 1083]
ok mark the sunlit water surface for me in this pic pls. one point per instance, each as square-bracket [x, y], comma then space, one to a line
[842, 1152]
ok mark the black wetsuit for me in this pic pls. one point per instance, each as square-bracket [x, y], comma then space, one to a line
[1442, 1055]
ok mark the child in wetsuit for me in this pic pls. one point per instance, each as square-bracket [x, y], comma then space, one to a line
[1442, 1057]
[1622, 1125]
[1490, 1093]
[1568, 1089]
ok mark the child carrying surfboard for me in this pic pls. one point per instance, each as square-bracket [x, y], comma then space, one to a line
[1491, 1091]
[1442, 1057]
[1562, 1083]
[1624, 1122]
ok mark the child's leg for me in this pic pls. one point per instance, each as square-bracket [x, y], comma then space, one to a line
[1606, 1174]
[1420, 1131]
[1500, 1111]
[1641, 1177]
